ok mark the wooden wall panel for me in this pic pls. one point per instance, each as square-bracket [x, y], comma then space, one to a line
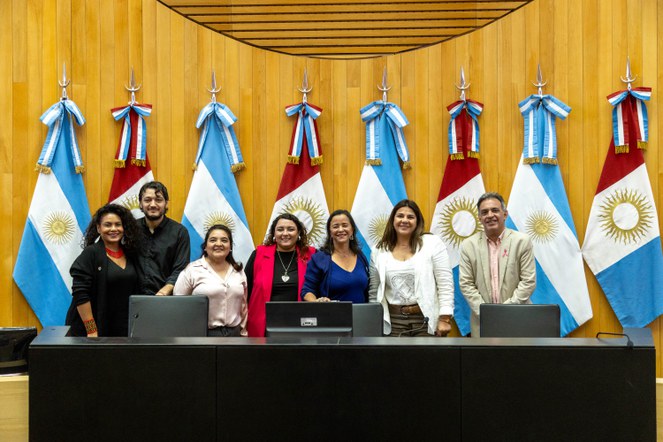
[581, 45]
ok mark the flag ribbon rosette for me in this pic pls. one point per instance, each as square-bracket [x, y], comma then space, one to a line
[396, 120]
[457, 142]
[305, 127]
[132, 146]
[217, 113]
[539, 113]
[53, 118]
[627, 110]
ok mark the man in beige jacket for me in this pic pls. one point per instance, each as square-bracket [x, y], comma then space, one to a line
[496, 265]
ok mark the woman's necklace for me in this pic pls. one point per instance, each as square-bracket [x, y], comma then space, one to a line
[285, 276]
[113, 254]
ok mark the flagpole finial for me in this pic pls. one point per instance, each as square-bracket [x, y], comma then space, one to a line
[213, 88]
[384, 88]
[133, 88]
[629, 76]
[463, 86]
[539, 80]
[64, 82]
[305, 89]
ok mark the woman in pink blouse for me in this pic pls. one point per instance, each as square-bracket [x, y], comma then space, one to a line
[219, 277]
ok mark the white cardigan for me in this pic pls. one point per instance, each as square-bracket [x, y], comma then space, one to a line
[433, 281]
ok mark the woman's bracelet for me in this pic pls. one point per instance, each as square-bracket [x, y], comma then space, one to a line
[90, 326]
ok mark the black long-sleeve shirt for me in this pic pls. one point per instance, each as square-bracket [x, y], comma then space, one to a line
[167, 252]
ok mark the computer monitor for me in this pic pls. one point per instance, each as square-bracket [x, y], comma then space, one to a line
[167, 316]
[308, 319]
[519, 320]
[367, 319]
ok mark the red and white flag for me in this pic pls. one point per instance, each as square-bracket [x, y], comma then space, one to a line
[456, 217]
[132, 167]
[301, 192]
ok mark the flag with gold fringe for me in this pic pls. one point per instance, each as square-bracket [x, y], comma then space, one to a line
[301, 192]
[538, 206]
[456, 216]
[58, 216]
[623, 243]
[381, 184]
[214, 197]
[132, 167]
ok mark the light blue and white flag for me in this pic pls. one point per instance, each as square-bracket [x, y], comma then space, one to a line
[381, 184]
[58, 216]
[214, 196]
[538, 206]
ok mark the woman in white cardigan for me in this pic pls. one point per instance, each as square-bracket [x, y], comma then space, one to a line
[410, 276]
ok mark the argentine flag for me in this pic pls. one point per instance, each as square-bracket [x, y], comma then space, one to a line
[538, 206]
[381, 185]
[623, 243]
[214, 196]
[58, 216]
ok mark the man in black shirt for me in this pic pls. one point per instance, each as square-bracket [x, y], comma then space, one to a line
[167, 250]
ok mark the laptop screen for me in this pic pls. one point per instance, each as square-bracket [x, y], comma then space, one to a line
[167, 316]
[519, 320]
[300, 319]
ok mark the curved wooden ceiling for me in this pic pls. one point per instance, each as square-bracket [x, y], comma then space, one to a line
[343, 28]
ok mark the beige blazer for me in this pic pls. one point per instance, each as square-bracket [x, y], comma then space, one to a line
[517, 272]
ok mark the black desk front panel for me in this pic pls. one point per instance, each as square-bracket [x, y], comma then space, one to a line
[124, 392]
[340, 392]
[558, 394]
[453, 389]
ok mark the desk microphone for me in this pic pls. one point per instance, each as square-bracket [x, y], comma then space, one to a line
[629, 343]
[423, 326]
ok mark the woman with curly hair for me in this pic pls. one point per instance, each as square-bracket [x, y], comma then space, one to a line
[275, 270]
[105, 274]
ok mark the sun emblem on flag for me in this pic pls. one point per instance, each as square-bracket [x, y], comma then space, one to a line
[376, 227]
[625, 216]
[311, 214]
[541, 226]
[218, 217]
[459, 219]
[130, 202]
[59, 227]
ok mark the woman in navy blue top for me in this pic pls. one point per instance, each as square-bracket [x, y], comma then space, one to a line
[339, 271]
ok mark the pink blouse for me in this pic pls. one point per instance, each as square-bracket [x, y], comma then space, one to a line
[227, 296]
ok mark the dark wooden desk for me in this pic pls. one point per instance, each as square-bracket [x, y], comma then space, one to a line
[348, 388]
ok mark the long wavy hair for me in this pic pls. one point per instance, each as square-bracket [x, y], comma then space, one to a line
[329, 242]
[389, 238]
[302, 238]
[230, 259]
[132, 238]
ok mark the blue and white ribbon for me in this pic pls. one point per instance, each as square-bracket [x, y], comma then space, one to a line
[305, 126]
[124, 148]
[534, 108]
[620, 119]
[217, 113]
[54, 119]
[456, 141]
[396, 120]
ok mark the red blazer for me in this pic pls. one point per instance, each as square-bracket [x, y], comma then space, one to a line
[263, 276]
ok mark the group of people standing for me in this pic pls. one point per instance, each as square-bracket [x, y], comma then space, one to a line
[408, 272]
